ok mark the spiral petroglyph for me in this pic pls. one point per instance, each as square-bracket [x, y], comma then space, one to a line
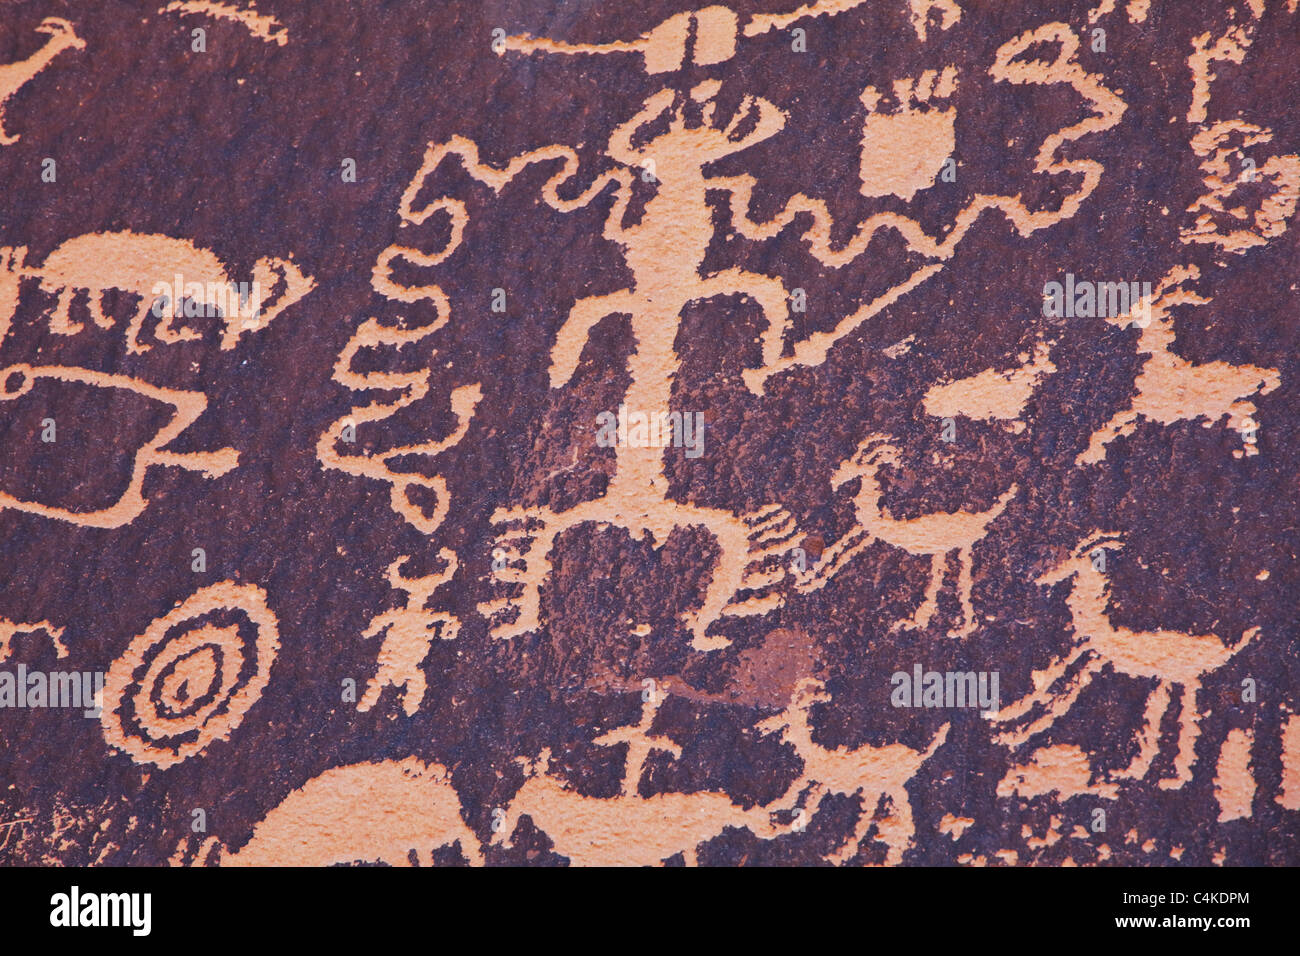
[192, 676]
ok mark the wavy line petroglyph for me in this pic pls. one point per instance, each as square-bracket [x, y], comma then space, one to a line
[935, 536]
[140, 264]
[1169, 388]
[1178, 661]
[262, 26]
[14, 76]
[1105, 107]
[880, 772]
[200, 678]
[188, 406]
[663, 252]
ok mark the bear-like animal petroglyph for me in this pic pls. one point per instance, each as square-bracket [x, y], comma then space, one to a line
[143, 264]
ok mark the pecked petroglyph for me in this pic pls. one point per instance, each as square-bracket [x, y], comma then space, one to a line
[663, 253]
[992, 395]
[14, 76]
[394, 811]
[1169, 388]
[915, 119]
[1178, 661]
[407, 633]
[890, 165]
[881, 772]
[629, 829]
[11, 629]
[262, 26]
[144, 265]
[935, 535]
[187, 405]
[200, 677]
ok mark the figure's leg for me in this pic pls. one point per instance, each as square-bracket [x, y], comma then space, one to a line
[526, 535]
[920, 619]
[965, 557]
[1149, 740]
[728, 572]
[1189, 732]
[573, 334]
[1124, 423]
[61, 320]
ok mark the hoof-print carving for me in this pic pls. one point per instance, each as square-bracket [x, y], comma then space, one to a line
[934, 535]
[13, 76]
[188, 407]
[1178, 661]
[188, 681]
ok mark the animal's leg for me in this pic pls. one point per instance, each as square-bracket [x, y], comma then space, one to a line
[849, 848]
[920, 619]
[133, 344]
[1149, 740]
[728, 572]
[1189, 731]
[573, 334]
[897, 829]
[95, 303]
[965, 559]
[469, 847]
[61, 320]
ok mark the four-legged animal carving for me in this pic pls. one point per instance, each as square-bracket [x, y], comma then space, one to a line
[936, 535]
[397, 812]
[628, 830]
[1175, 659]
[141, 264]
[866, 771]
